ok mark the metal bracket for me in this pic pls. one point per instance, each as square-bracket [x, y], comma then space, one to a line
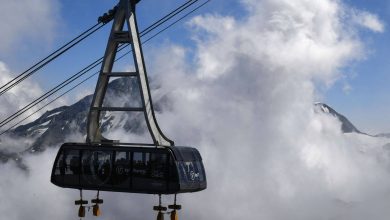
[125, 14]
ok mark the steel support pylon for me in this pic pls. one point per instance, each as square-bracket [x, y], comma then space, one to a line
[125, 15]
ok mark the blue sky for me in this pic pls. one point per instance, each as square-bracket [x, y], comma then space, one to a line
[241, 90]
[366, 102]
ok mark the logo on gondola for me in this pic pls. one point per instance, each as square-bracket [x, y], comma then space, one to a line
[119, 170]
[191, 170]
[194, 175]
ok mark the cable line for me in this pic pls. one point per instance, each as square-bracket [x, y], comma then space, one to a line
[9, 85]
[168, 16]
[103, 20]
[66, 92]
[84, 71]
[19, 122]
[49, 93]
[178, 20]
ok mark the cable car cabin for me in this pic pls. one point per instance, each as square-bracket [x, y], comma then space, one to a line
[133, 169]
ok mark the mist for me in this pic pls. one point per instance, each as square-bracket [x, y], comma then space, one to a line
[245, 101]
[36, 22]
[17, 97]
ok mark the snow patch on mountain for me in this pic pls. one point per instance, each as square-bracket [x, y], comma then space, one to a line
[68, 123]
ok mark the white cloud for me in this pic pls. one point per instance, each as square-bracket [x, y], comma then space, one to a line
[27, 21]
[248, 108]
[347, 88]
[247, 104]
[30, 195]
[369, 20]
[17, 97]
[307, 37]
[24, 25]
[20, 96]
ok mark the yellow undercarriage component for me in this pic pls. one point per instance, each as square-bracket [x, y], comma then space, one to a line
[96, 210]
[82, 212]
[174, 215]
[160, 216]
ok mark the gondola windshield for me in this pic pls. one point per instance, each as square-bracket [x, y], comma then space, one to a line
[129, 169]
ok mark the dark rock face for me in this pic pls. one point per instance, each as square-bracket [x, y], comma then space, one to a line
[346, 125]
[386, 135]
[54, 126]
[68, 120]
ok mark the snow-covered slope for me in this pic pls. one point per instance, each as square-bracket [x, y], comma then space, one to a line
[54, 126]
[68, 123]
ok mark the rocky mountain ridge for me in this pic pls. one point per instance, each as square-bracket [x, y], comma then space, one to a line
[346, 125]
[54, 126]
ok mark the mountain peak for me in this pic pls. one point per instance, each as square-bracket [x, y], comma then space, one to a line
[346, 125]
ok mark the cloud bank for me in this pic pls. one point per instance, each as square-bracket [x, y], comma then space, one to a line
[28, 21]
[17, 97]
[246, 102]
[25, 26]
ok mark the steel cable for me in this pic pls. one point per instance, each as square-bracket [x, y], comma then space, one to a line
[89, 68]
[9, 85]
[21, 77]
[168, 16]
